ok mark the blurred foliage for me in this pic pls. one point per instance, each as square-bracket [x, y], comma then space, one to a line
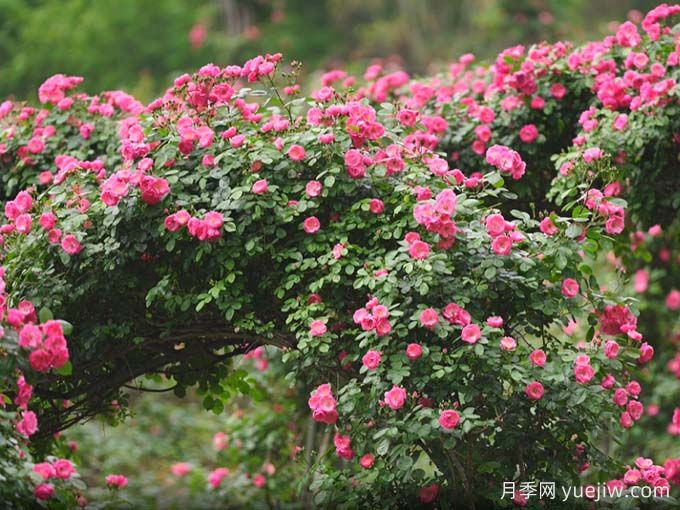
[138, 45]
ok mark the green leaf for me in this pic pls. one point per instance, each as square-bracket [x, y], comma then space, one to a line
[66, 370]
[45, 314]
[67, 327]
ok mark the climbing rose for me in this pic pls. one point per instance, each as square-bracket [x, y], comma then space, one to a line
[116, 481]
[323, 405]
[538, 357]
[395, 397]
[317, 328]
[508, 343]
[260, 187]
[449, 419]
[154, 189]
[534, 390]
[371, 360]
[64, 468]
[44, 491]
[429, 318]
[419, 250]
[413, 351]
[296, 152]
[70, 244]
[367, 461]
[471, 334]
[180, 469]
[570, 288]
[311, 225]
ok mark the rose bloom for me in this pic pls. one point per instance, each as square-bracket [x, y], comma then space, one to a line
[428, 493]
[419, 250]
[366, 461]
[429, 318]
[117, 481]
[495, 224]
[534, 390]
[44, 491]
[313, 189]
[317, 328]
[296, 152]
[180, 469]
[45, 469]
[259, 480]
[611, 349]
[538, 357]
[502, 245]
[495, 322]
[449, 419]
[371, 360]
[64, 468]
[570, 288]
[395, 397]
[413, 351]
[508, 343]
[528, 133]
[220, 441]
[471, 334]
[311, 225]
[260, 187]
[70, 244]
[376, 206]
[583, 373]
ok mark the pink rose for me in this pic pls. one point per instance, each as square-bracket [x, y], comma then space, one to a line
[495, 322]
[538, 357]
[419, 250]
[611, 349]
[366, 461]
[646, 353]
[413, 351]
[673, 300]
[180, 469]
[471, 334]
[429, 318]
[502, 245]
[508, 343]
[570, 288]
[64, 468]
[449, 419]
[528, 133]
[317, 328]
[44, 491]
[548, 227]
[495, 224]
[296, 152]
[45, 469]
[260, 187]
[376, 206]
[395, 397]
[313, 189]
[259, 480]
[311, 225]
[216, 476]
[28, 425]
[116, 481]
[371, 360]
[70, 244]
[534, 390]
[583, 373]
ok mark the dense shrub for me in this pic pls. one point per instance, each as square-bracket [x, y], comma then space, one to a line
[451, 324]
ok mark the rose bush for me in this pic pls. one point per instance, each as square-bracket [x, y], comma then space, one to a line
[451, 324]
